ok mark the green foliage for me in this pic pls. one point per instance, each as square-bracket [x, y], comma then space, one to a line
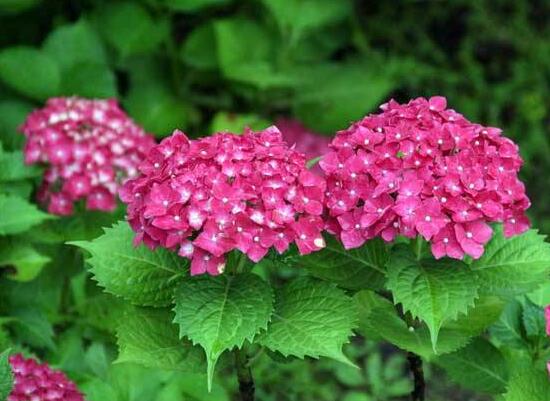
[531, 384]
[148, 337]
[25, 259]
[354, 269]
[18, 215]
[436, 292]
[479, 366]
[138, 275]
[6, 377]
[29, 71]
[220, 313]
[311, 318]
[513, 265]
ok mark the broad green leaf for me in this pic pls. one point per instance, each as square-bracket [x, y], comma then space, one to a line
[18, 215]
[22, 257]
[6, 376]
[192, 5]
[478, 366]
[541, 296]
[33, 327]
[528, 385]
[75, 43]
[508, 329]
[378, 320]
[533, 320]
[13, 168]
[296, 17]
[198, 49]
[155, 108]
[311, 318]
[137, 274]
[354, 269]
[89, 79]
[30, 72]
[97, 360]
[434, 291]
[191, 387]
[148, 337]
[12, 115]
[130, 29]
[220, 313]
[349, 91]
[513, 265]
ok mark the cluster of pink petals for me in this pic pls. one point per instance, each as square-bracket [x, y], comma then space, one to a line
[547, 316]
[89, 146]
[38, 382]
[420, 168]
[309, 143]
[210, 196]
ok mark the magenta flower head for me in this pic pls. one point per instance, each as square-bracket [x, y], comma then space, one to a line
[38, 382]
[207, 197]
[89, 146]
[422, 169]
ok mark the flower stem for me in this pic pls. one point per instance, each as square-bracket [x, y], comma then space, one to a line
[415, 364]
[244, 375]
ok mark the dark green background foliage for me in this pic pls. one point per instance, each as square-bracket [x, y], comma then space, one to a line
[206, 65]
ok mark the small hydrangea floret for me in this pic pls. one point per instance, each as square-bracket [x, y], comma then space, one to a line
[423, 169]
[207, 197]
[89, 148]
[308, 142]
[38, 382]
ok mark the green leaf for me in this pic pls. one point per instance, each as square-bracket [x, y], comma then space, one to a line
[533, 320]
[479, 366]
[508, 329]
[6, 376]
[540, 296]
[28, 262]
[434, 291]
[193, 5]
[19, 215]
[311, 318]
[30, 72]
[354, 269]
[130, 29]
[528, 384]
[89, 79]
[220, 313]
[513, 265]
[75, 43]
[33, 327]
[148, 337]
[198, 49]
[378, 320]
[12, 115]
[349, 91]
[155, 108]
[13, 168]
[137, 274]
[296, 17]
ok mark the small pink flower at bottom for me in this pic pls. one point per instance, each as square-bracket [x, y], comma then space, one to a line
[547, 316]
[38, 382]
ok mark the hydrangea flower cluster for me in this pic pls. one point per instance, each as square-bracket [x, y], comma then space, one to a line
[38, 382]
[420, 168]
[90, 146]
[210, 196]
[309, 143]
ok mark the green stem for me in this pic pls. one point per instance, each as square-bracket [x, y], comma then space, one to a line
[244, 375]
[418, 247]
[415, 365]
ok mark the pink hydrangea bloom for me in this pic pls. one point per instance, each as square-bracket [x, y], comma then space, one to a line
[38, 382]
[423, 169]
[89, 146]
[207, 197]
[547, 316]
[309, 143]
